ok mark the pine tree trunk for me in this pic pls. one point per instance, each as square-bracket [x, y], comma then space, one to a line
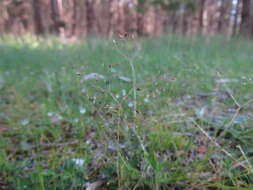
[245, 26]
[55, 16]
[74, 18]
[37, 17]
[201, 16]
[90, 16]
[221, 17]
[110, 18]
[234, 30]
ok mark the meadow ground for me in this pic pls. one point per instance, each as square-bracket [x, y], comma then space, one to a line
[162, 113]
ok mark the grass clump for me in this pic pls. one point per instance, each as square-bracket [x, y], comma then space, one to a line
[167, 112]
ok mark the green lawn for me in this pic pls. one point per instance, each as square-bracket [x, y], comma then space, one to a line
[169, 113]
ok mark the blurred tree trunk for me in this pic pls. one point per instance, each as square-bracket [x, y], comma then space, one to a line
[173, 21]
[98, 11]
[79, 19]
[141, 6]
[58, 25]
[222, 15]
[234, 30]
[10, 17]
[38, 24]
[110, 18]
[140, 25]
[245, 27]
[185, 16]
[90, 16]
[165, 22]
[201, 16]
[158, 19]
[120, 19]
[2, 14]
[74, 18]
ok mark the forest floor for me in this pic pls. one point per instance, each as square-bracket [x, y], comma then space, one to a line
[161, 113]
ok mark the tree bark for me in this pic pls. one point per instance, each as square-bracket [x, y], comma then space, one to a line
[74, 18]
[37, 17]
[221, 17]
[184, 21]
[56, 17]
[201, 16]
[234, 30]
[140, 18]
[90, 16]
[245, 27]
[110, 18]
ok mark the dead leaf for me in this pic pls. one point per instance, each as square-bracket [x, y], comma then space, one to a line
[2, 130]
[131, 125]
[95, 185]
[93, 76]
[125, 79]
[202, 149]
[226, 80]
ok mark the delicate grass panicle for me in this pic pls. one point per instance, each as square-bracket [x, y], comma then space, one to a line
[162, 113]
